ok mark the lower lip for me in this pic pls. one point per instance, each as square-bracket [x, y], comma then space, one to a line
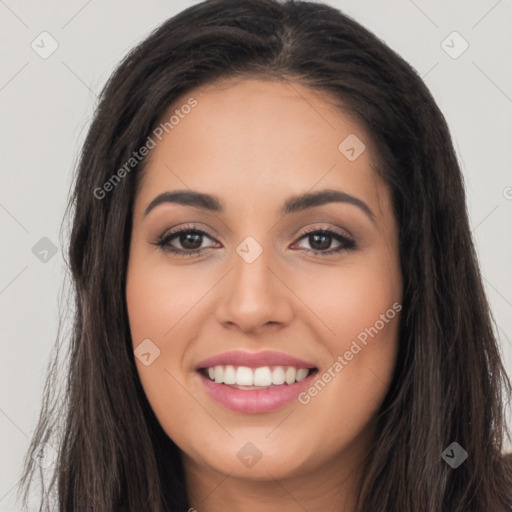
[255, 400]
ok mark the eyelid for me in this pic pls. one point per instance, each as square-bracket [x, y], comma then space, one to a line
[337, 231]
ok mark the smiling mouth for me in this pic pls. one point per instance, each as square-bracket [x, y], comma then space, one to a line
[263, 377]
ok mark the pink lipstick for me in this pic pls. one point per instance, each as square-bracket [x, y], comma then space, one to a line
[255, 382]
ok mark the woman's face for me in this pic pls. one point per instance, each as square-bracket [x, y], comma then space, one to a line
[257, 282]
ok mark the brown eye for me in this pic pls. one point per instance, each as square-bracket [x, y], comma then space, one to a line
[320, 241]
[185, 241]
[189, 240]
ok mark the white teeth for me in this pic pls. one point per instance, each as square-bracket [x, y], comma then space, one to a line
[302, 373]
[290, 375]
[229, 375]
[219, 374]
[263, 376]
[278, 376]
[244, 376]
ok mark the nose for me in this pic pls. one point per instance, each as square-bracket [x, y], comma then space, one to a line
[254, 297]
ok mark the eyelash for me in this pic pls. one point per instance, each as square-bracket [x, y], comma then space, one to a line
[164, 241]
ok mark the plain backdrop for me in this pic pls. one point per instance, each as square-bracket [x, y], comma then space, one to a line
[46, 105]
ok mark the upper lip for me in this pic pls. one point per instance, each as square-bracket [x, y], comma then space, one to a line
[254, 360]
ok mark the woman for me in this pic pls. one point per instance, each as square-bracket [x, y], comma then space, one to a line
[327, 345]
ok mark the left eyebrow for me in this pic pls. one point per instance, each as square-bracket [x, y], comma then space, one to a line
[293, 204]
[187, 198]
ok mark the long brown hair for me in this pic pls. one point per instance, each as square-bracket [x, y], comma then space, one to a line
[449, 384]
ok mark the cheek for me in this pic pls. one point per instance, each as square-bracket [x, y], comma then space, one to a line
[359, 306]
[162, 304]
[342, 402]
[353, 298]
[159, 300]
[159, 374]
[151, 318]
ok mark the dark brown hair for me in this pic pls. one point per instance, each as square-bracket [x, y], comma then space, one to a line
[449, 383]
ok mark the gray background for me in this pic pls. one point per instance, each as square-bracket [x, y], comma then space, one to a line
[46, 106]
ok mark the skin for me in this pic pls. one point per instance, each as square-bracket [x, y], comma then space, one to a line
[254, 144]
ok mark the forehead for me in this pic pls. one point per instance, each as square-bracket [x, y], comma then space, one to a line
[255, 140]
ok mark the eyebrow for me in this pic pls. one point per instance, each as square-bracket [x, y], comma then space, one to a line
[293, 204]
